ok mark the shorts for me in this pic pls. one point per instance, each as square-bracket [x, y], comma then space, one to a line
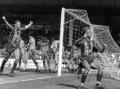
[10, 48]
[87, 58]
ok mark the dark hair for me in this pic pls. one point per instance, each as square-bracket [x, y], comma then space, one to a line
[17, 21]
[30, 33]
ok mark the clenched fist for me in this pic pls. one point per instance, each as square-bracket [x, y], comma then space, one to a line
[3, 17]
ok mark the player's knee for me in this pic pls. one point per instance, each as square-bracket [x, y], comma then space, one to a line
[25, 62]
[16, 61]
[7, 55]
[87, 71]
[100, 70]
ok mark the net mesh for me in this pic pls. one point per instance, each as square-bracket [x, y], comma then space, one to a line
[111, 57]
[74, 23]
[103, 36]
[73, 27]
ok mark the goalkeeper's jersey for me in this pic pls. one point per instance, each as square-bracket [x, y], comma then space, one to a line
[85, 47]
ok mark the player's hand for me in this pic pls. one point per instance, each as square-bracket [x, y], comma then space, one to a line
[105, 45]
[31, 22]
[3, 17]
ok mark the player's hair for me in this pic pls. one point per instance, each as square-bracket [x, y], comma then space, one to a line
[17, 21]
[30, 33]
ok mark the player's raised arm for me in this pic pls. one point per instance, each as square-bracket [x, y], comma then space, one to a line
[6, 22]
[27, 26]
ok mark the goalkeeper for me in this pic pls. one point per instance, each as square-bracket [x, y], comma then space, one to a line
[86, 46]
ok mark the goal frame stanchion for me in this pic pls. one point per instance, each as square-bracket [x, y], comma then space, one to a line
[61, 42]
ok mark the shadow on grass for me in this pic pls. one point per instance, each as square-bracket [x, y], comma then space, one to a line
[33, 70]
[4, 74]
[68, 85]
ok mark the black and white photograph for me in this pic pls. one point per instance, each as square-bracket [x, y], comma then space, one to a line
[59, 44]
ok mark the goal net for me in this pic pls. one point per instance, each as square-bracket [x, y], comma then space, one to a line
[103, 35]
[73, 22]
[111, 57]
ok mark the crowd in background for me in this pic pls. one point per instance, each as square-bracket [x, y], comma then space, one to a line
[48, 31]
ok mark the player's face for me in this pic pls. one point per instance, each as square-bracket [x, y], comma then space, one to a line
[89, 33]
[88, 38]
[18, 24]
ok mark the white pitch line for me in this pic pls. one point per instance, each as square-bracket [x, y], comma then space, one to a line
[24, 80]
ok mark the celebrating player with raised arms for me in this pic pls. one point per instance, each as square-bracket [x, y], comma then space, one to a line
[13, 43]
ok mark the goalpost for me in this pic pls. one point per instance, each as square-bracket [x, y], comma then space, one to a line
[61, 42]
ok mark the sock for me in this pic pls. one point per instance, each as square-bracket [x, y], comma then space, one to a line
[99, 77]
[25, 66]
[3, 64]
[14, 67]
[37, 66]
[84, 76]
[80, 71]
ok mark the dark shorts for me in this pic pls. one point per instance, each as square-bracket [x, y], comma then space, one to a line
[87, 62]
[11, 48]
[89, 59]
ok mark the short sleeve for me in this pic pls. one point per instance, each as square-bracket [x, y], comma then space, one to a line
[22, 28]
